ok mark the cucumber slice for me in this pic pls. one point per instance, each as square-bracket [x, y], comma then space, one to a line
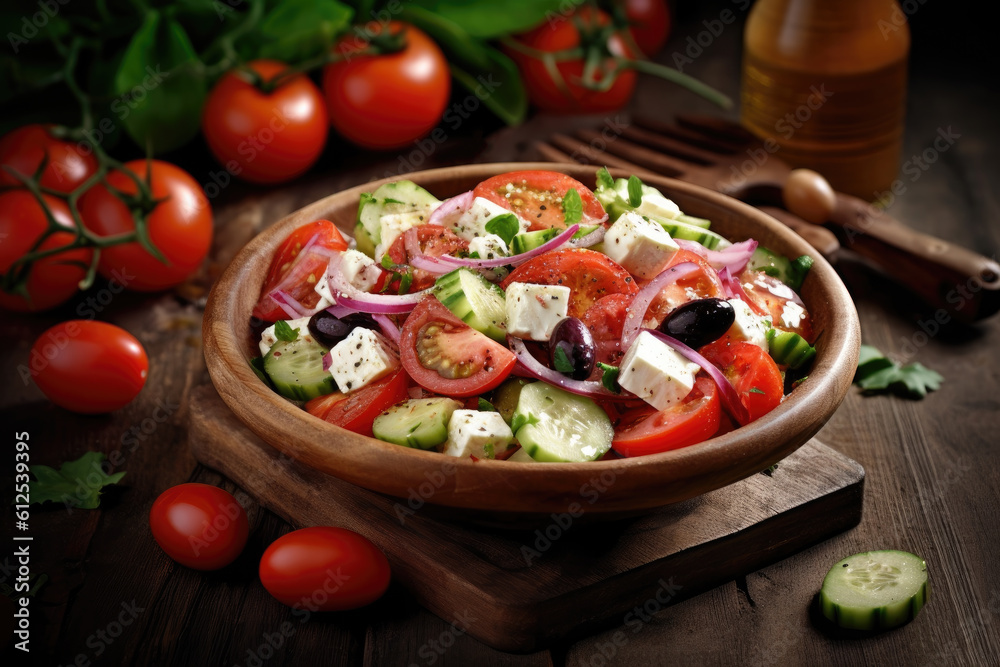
[505, 397]
[530, 240]
[474, 300]
[552, 424]
[402, 198]
[704, 223]
[682, 230]
[789, 348]
[421, 423]
[874, 590]
[790, 272]
[296, 369]
[521, 456]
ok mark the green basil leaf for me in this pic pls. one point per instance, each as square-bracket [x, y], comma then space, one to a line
[572, 207]
[76, 484]
[486, 406]
[561, 361]
[451, 37]
[604, 180]
[610, 376]
[496, 18]
[298, 29]
[634, 191]
[506, 226]
[282, 331]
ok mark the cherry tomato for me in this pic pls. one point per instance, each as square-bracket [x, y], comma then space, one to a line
[69, 164]
[752, 372]
[589, 275]
[649, 24]
[180, 226]
[52, 279]
[695, 419]
[265, 137]
[88, 367]
[772, 297]
[537, 197]
[702, 284]
[444, 355]
[560, 33]
[435, 241]
[200, 526]
[324, 568]
[357, 410]
[387, 101]
[295, 273]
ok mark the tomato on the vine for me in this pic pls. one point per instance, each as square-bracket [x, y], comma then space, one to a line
[387, 101]
[180, 226]
[200, 526]
[52, 279]
[69, 164]
[649, 24]
[265, 137]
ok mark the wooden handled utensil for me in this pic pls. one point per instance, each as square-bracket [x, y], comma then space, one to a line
[725, 157]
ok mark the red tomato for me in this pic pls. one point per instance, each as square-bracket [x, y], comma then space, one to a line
[752, 372]
[70, 164]
[444, 355]
[89, 367]
[537, 197]
[199, 526]
[265, 137]
[324, 569]
[589, 275]
[296, 274]
[357, 410]
[387, 101]
[702, 284]
[180, 226]
[606, 319]
[434, 240]
[772, 296]
[560, 33]
[649, 24]
[644, 431]
[52, 279]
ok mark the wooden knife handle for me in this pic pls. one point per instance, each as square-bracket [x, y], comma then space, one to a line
[955, 279]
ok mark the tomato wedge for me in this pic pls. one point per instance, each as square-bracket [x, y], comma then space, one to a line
[773, 296]
[295, 273]
[446, 356]
[751, 370]
[357, 410]
[606, 319]
[435, 241]
[644, 430]
[589, 275]
[537, 196]
[702, 284]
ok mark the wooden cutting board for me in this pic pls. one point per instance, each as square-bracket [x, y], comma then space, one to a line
[519, 590]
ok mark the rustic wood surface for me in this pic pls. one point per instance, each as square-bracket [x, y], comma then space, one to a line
[932, 465]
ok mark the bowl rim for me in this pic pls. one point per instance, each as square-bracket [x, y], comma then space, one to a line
[295, 433]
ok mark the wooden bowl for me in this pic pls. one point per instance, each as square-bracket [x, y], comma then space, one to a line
[500, 492]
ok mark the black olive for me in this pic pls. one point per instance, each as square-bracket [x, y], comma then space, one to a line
[700, 322]
[329, 330]
[571, 349]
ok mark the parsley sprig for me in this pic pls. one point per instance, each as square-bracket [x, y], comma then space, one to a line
[879, 374]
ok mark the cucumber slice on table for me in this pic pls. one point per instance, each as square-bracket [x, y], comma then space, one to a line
[421, 423]
[474, 300]
[296, 369]
[398, 198]
[874, 590]
[552, 424]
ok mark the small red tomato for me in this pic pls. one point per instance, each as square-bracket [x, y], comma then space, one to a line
[88, 367]
[69, 164]
[324, 569]
[200, 526]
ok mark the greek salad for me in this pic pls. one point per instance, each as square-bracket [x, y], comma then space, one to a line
[532, 319]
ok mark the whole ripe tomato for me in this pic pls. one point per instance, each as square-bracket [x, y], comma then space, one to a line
[52, 279]
[200, 526]
[649, 24]
[88, 367]
[324, 569]
[387, 101]
[265, 137]
[569, 96]
[23, 149]
[180, 226]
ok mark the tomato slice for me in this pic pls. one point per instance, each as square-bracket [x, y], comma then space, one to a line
[606, 319]
[753, 373]
[435, 241]
[357, 410]
[701, 284]
[773, 296]
[537, 197]
[589, 275]
[295, 273]
[446, 356]
[645, 430]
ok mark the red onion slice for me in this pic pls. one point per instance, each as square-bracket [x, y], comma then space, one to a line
[388, 327]
[636, 312]
[291, 307]
[514, 260]
[340, 312]
[450, 210]
[735, 257]
[327, 360]
[734, 290]
[346, 294]
[538, 370]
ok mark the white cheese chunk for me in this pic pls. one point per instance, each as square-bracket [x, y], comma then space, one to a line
[748, 325]
[473, 222]
[653, 203]
[640, 245]
[391, 225]
[655, 372]
[267, 337]
[490, 246]
[791, 315]
[533, 311]
[325, 295]
[479, 434]
[360, 270]
[361, 358]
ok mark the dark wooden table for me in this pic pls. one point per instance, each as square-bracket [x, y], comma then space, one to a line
[933, 468]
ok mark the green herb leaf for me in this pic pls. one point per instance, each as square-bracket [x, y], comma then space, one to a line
[499, 87]
[562, 361]
[486, 406]
[506, 226]
[604, 180]
[76, 484]
[876, 373]
[634, 191]
[756, 390]
[257, 364]
[610, 377]
[572, 207]
[387, 263]
[797, 271]
[405, 280]
[295, 30]
[496, 18]
[282, 331]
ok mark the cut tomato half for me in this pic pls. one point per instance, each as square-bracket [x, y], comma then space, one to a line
[537, 196]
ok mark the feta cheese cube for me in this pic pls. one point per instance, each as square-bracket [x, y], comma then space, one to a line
[325, 295]
[361, 358]
[655, 372]
[391, 225]
[359, 270]
[640, 245]
[267, 337]
[533, 311]
[490, 246]
[791, 315]
[653, 203]
[748, 325]
[472, 223]
[479, 434]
